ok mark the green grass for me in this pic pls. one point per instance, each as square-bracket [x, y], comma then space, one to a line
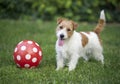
[92, 72]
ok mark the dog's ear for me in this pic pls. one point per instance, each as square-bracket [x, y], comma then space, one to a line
[75, 25]
[59, 20]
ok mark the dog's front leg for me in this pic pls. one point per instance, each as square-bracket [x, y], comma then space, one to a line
[60, 62]
[73, 62]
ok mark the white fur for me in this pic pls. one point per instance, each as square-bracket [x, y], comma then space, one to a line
[102, 15]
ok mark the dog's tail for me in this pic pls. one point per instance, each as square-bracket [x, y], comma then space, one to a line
[101, 23]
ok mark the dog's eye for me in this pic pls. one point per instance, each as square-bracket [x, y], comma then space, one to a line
[61, 27]
[68, 29]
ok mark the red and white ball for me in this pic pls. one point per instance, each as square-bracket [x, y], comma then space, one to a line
[27, 54]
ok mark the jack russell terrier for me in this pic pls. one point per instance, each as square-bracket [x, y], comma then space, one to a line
[72, 45]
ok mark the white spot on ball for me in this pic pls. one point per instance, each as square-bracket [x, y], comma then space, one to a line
[35, 50]
[26, 65]
[27, 56]
[15, 49]
[34, 60]
[20, 42]
[18, 57]
[40, 53]
[29, 42]
[23, 48]
[37, 44]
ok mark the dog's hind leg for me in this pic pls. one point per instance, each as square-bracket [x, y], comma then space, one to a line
[86, 58]
[99, 56]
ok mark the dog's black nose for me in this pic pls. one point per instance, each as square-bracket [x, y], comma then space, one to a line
[61, 36]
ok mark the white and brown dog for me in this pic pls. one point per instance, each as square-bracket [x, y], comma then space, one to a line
[72, 45]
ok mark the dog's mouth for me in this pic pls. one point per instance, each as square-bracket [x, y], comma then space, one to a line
[61, 39]
[60, 42]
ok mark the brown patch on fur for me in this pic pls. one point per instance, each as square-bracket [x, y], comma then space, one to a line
[75, 25]
[84, 39]
[70, 32]
[99, 26]
[59, 20]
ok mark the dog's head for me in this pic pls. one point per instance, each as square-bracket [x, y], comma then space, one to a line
[65, 28]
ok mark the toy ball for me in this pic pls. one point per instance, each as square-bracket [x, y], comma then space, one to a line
[27, 54]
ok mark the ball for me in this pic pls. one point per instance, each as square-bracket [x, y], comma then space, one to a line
[27, 54]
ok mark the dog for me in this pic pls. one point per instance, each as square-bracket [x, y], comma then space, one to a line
[72, 45]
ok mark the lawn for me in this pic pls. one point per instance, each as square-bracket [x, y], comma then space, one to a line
[92, 72]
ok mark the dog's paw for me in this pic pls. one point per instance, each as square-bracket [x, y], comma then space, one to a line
[71, 68]
[57, 69]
